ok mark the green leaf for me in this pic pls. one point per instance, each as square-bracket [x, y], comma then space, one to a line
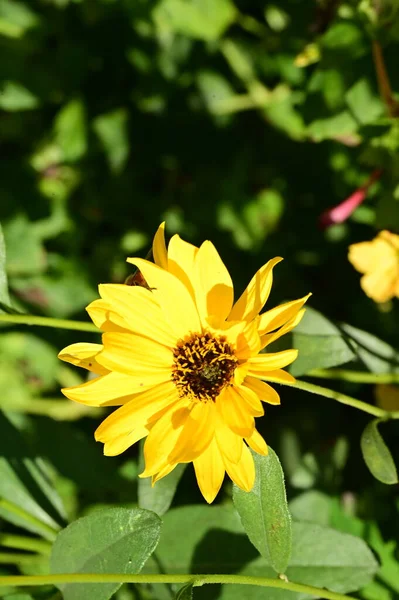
[16, 18]
[27, 258]
[365, 105]
[200, 19]
[264, 511]
[336, 126]
[376, 355]
[4, 295]
[202, 539]
[312, 506]
[70, 130]
[377, 455]
[185, 593]
[111, 129]
[15, 97]
[113, 540]
[158, 498]
[24, 482]
[320, 344]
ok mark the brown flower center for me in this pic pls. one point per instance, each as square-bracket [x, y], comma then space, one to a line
[203, 365]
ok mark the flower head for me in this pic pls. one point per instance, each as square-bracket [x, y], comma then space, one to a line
[379, 261]
[183, 363]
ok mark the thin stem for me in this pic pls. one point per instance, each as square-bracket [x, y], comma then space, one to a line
[48, 322]
[196, 580]
[344, 399]
[354, 376]
[23, 542]
[384, 84]
[8, 506]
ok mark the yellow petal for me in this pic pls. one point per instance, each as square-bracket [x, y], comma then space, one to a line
[229, 443]
[172, 296]
[257, 443]
[117, 445]
[380, 285]
[139, 310]
[159, 248]
[277, 376]
[215, 292]
[251, 400]
[276, 317]
[113, 389]
[270, 361]
[163, 437]
[242, 473]
[181, 258]
[268, 338]
[105, 318]
[264, 391]
[235, 412]
[371, 256]
[196, 435]
[209, 470]
[162, 473]
[83, 355]
[135, 355]
[137, 412]
[256, 294]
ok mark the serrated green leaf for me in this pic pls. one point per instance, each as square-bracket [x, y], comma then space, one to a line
[202, 539]
[376, 454]
[185, 593]
[264, 512]
[4, 295]
[113, 540]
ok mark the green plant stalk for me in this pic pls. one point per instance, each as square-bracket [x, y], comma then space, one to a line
[23, 514]
[344, 399]
[23, 542]
[196, 580]
[354, 376]
[48, 322]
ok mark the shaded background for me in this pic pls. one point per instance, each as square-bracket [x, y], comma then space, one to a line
[239, 122]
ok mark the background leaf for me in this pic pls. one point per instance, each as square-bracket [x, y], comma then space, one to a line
[4, 295]
[185, 593]
[377, 455]
[159, 497]
[114, 540]
[264, 512]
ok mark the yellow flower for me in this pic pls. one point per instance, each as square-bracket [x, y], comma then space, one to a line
[379, 261]
[182, 362]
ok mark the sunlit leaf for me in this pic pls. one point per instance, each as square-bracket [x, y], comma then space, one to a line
[113, 540]
[264, 512]
[377, 455]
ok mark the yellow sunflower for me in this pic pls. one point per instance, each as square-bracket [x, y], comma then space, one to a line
[183, 362]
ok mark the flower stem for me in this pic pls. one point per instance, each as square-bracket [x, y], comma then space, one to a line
[16, 558]
[22, 542]
[196, 580]
[47, 530]
[48, 322]
[354, 376]
[344, 399]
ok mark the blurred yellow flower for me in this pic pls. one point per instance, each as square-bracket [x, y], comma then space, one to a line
[182, 362]
[379, 261]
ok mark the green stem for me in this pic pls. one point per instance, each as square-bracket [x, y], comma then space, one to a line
[23, 542]
[196, 580]
[48, 322]
[49, 531]
[344, 399]
[354, 376]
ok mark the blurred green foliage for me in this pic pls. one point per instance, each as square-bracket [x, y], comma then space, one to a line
[239, 122]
